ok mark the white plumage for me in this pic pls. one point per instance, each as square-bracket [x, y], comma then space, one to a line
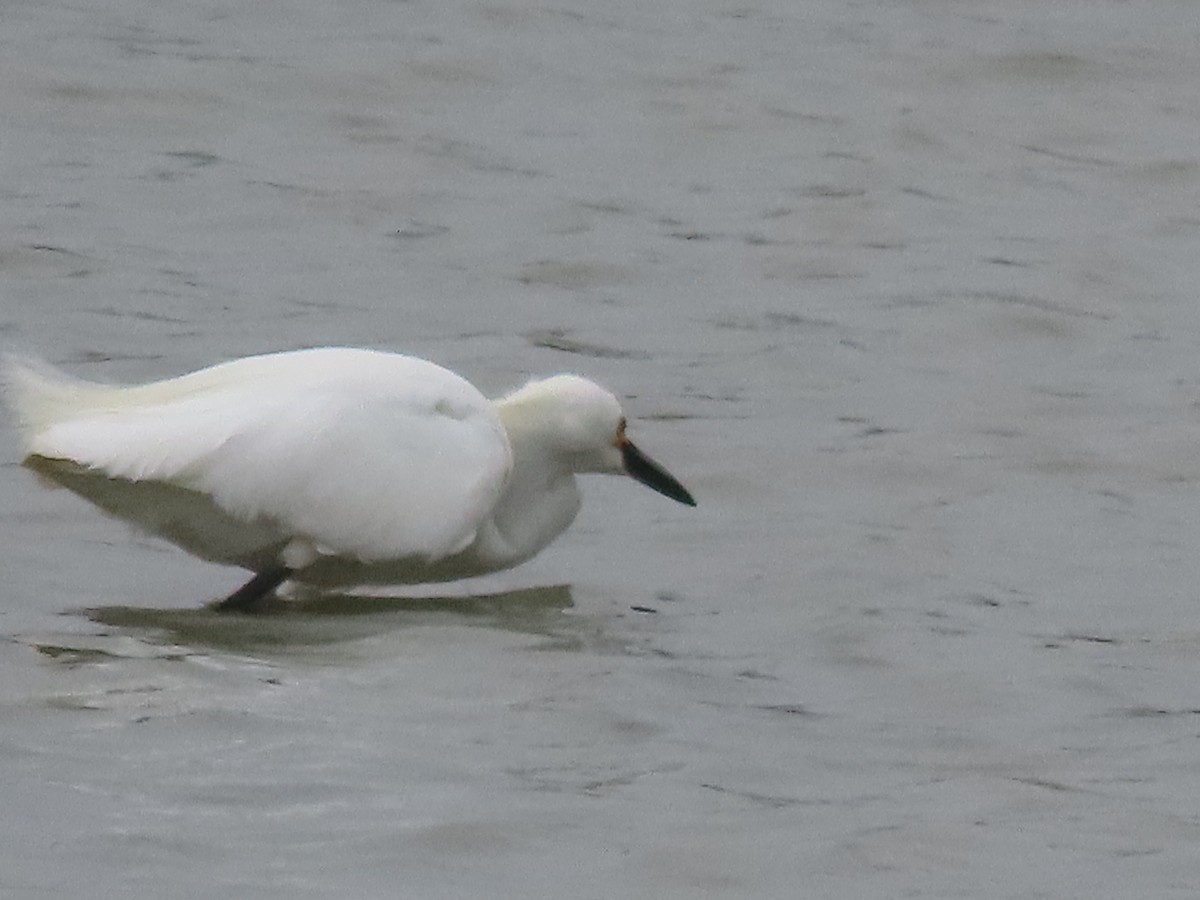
[331, 466]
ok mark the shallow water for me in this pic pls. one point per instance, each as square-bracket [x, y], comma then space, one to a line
[902, 292]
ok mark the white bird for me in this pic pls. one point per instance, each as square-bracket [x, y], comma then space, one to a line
[331, 466]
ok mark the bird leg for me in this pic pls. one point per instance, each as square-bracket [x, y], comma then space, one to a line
[247, 596]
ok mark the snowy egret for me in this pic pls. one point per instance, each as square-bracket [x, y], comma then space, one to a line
[331, 466]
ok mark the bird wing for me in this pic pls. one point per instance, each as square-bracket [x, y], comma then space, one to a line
[371, 455]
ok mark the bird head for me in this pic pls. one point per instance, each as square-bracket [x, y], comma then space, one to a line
[585, 424]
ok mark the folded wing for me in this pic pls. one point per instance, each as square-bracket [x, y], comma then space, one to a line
[370, 455]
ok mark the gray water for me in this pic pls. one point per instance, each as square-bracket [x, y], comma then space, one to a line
[904, 292]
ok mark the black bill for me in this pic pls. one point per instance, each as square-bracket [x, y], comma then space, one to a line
[642, 468]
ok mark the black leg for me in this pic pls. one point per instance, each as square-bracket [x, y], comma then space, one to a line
[244, 598]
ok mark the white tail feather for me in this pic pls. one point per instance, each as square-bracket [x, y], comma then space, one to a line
[41, 396]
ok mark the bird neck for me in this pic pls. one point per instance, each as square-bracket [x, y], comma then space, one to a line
[540, 500]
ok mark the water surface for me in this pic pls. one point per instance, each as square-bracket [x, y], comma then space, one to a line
[903, 292]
